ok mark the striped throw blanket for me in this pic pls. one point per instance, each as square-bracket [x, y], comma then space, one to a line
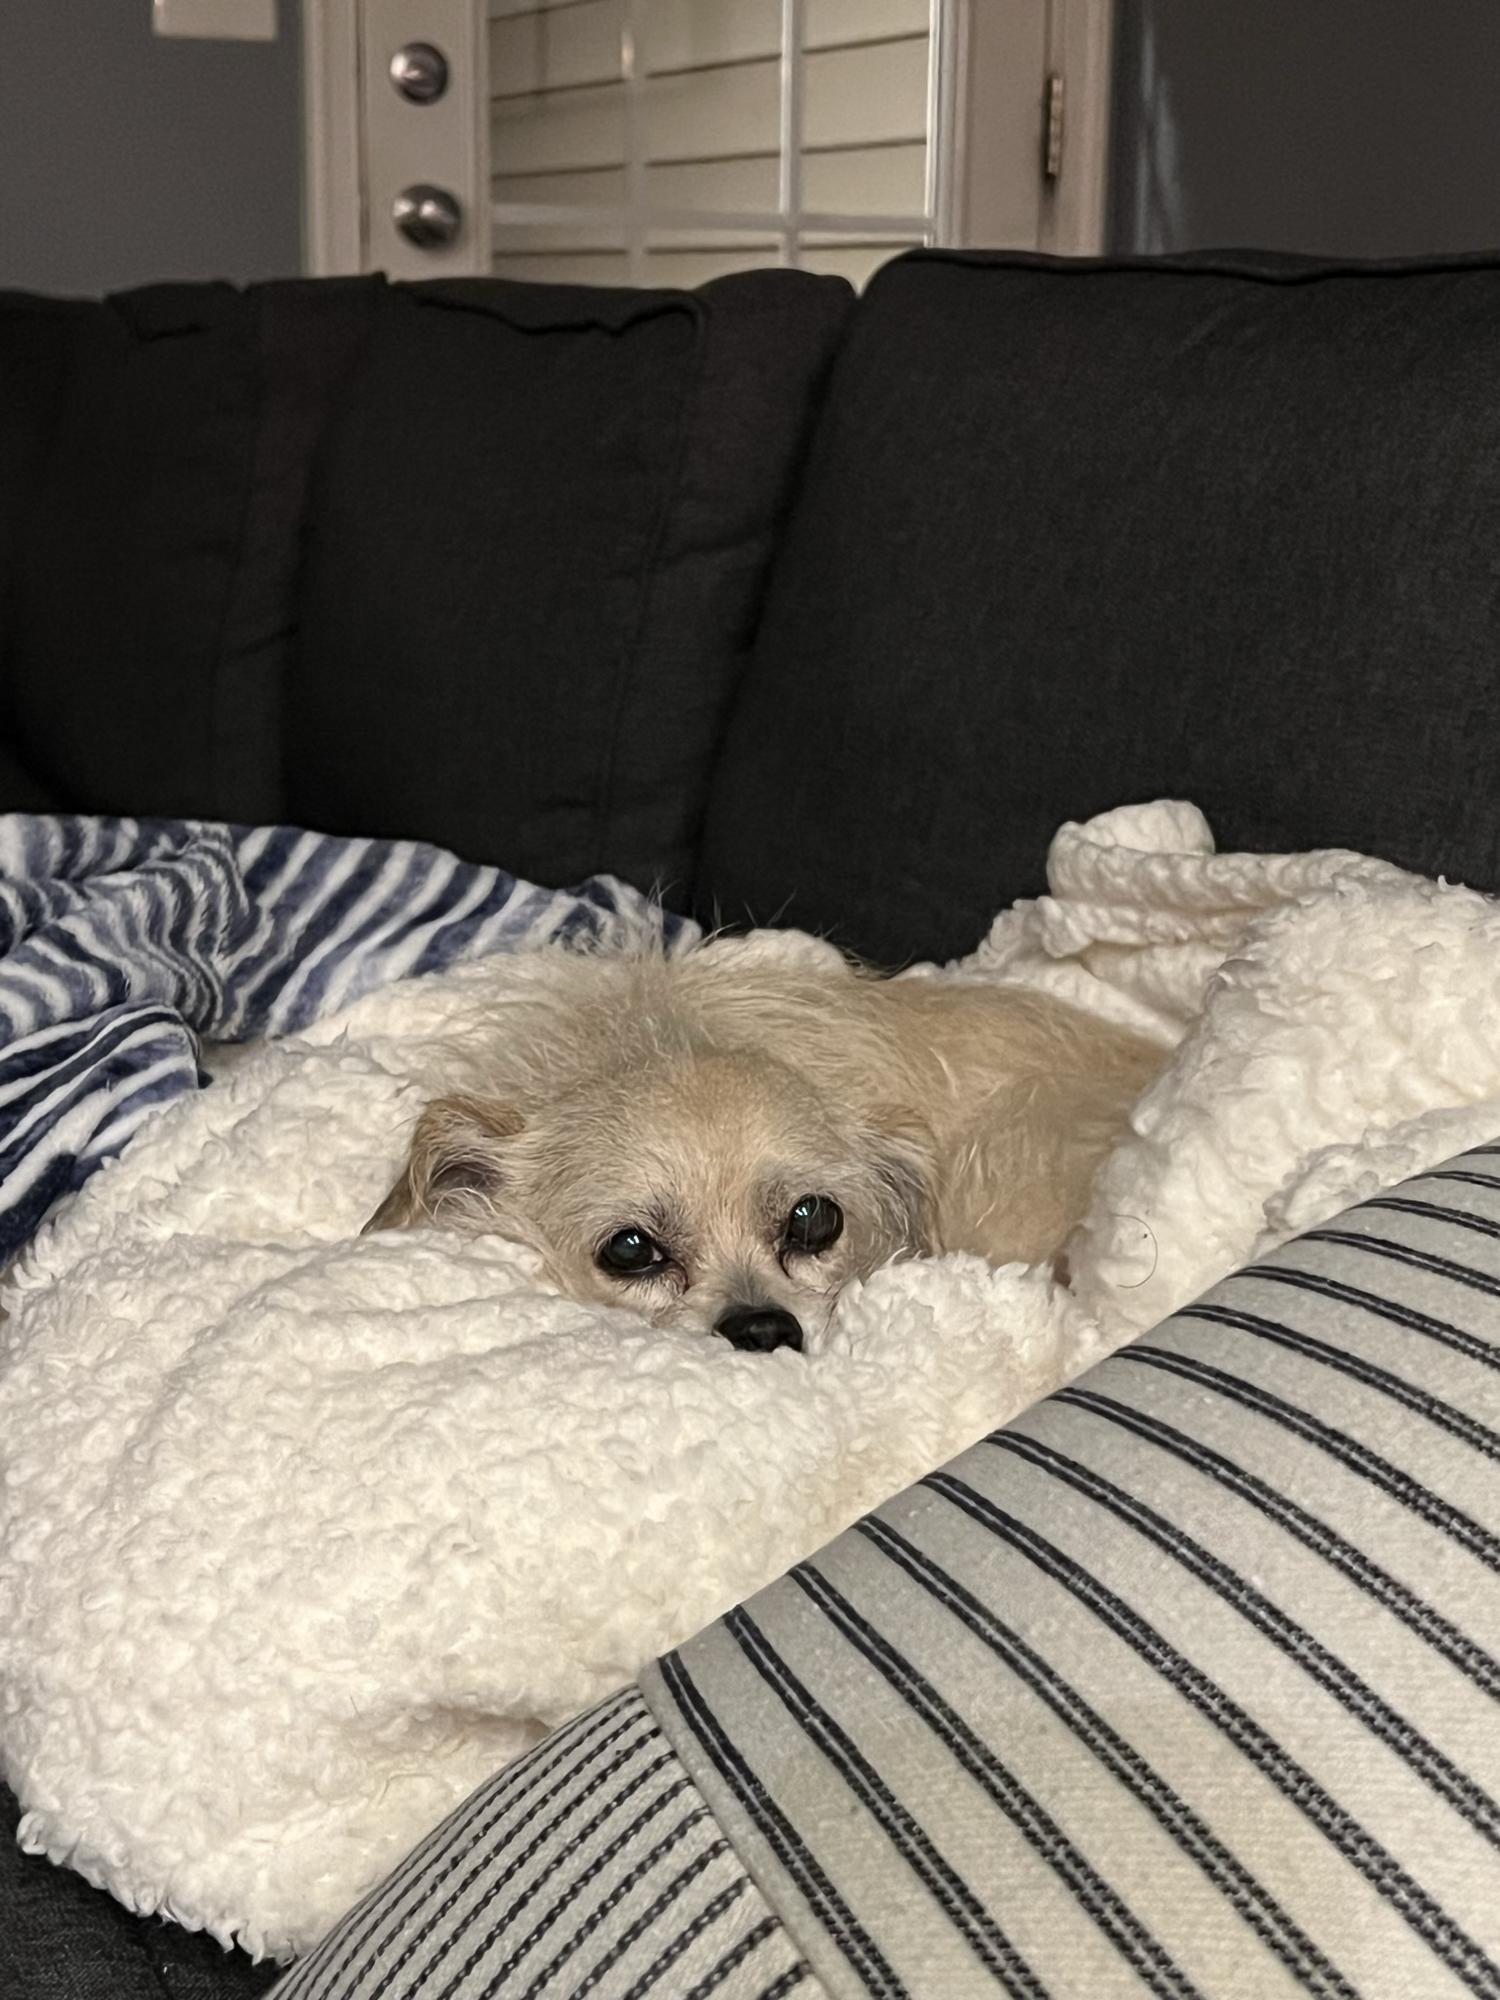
[125, 943]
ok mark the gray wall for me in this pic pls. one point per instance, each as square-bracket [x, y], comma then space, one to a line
[126, 158]
[1350, 127]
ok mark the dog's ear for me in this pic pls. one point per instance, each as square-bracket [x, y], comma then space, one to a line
[455, 1162]
[906, 1158]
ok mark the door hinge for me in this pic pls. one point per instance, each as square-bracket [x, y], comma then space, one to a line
[1052, 127]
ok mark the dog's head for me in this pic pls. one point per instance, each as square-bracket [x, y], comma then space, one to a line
[715, 1190]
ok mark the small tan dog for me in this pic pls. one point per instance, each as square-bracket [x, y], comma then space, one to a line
[725, 1139]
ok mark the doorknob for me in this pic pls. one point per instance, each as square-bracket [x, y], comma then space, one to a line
[419, 71]
[429, 217]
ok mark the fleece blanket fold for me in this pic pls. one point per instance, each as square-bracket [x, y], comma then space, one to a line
[302, 1534]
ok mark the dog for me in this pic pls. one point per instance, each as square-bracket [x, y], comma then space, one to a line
[723, 1140]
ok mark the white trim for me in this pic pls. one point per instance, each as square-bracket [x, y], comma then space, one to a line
[789, 167]
[635, 159]
[216, 20]
[1075, 214]
[947, 37]
[483, 113]
[1003, 57]
[996, 198]
[333, 223]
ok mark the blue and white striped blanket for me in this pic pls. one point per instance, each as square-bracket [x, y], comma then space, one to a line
[124, 943]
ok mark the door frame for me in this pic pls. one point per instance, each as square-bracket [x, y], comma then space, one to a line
[350, 108]
[333, 219]
[1081, 35]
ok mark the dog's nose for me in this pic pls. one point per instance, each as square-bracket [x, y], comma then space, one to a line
[757, 1329]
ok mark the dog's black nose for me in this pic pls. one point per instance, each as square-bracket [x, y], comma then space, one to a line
[757, 1329]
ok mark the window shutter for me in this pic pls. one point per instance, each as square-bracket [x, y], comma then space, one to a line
[663, 142]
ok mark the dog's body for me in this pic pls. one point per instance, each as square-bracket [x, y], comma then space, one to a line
[726, 1138]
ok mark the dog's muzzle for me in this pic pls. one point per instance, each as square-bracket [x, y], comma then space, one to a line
[759, 1329]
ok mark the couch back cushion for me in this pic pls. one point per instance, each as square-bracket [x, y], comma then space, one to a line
[1224, 528]
[477, 562]
[42, 342]
[154, 473]
[537, 542]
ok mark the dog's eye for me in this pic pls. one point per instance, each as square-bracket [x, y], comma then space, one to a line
[814, 1223]
[630, 1253]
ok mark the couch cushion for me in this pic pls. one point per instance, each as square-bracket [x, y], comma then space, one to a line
[1220, 527]
[62, 1940]
[536, 550]
[156, 450]
[41, 344]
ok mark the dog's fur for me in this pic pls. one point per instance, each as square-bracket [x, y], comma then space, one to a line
[699, 1098]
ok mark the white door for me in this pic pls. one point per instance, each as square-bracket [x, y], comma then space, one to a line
[662, 142]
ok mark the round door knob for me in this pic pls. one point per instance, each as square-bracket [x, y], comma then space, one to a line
[420, 72]
[430, 217]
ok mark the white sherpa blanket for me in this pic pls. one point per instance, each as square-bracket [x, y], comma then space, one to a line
[302, 1534]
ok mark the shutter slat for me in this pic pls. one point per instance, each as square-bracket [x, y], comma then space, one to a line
[883, 180]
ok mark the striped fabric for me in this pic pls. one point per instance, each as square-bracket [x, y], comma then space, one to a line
[1184, 1684]
[122, 942]
[592, 1866]
[1187, 1684]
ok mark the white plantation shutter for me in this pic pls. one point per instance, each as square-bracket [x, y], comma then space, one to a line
[663, 142]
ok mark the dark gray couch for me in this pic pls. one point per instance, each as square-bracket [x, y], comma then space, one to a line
[797, 607]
